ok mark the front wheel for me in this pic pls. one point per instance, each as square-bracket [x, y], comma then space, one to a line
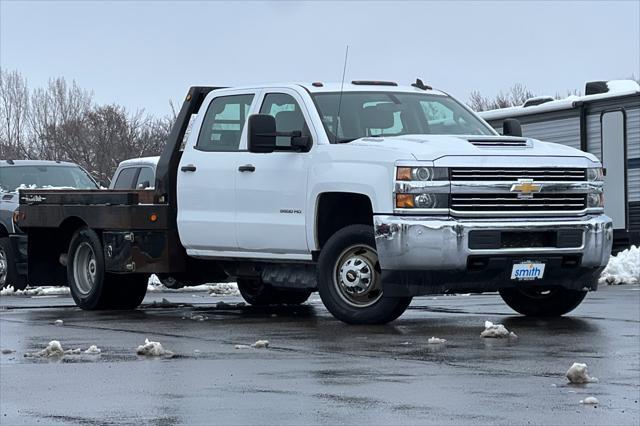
[350, 279]
[542, 302]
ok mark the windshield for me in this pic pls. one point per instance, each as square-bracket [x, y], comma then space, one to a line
[395, 113]
[14, 177]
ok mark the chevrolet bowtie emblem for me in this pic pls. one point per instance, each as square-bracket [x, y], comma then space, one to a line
[525, 188]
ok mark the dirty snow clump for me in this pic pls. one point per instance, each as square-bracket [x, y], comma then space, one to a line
[624, 268]
[590, 400]
[153, 349]
[578, 374]
[58, 322]
[492, 330]
[261, 344]
[35, 291]
[93, 350]
[436, 341]
[53, 349]
[218, 289]
[242, 347]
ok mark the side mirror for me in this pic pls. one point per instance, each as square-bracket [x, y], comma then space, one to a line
[511, 127]
[261, 132]
[303, 143]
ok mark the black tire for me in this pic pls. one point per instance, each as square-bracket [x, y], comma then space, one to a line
[91, 287]
[128, 290]
[10, 276]
[539, 303]
[346, 303]
[257, 293]
[292, 297]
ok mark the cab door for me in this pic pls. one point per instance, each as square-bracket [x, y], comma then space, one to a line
[207, 173]
[271, 189]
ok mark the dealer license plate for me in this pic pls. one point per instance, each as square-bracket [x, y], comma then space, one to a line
[527, 271]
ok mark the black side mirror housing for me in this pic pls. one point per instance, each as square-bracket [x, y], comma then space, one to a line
[303, 143]
[511, 127]
[261, 131]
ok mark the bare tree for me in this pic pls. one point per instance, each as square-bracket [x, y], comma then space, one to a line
[14, 112]
[51, 108]
[516, 95]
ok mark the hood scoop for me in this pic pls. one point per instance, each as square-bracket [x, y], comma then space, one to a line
[501, 143]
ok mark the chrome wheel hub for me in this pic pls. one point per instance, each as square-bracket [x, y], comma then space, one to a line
[3, 268]
[357, 276]
[85, 268]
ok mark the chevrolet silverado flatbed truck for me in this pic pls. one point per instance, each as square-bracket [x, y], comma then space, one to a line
[369, 193]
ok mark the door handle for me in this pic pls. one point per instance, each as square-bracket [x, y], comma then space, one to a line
[247, 168]
[188, 168]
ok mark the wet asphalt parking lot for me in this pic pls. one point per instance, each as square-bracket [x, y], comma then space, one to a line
[318, 370]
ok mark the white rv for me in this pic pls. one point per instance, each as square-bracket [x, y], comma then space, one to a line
[604, 122]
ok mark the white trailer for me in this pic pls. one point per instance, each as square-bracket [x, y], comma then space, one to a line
[604, 122]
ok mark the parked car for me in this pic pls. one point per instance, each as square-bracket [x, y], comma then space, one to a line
[136, 173]
[140, 173]
[370, 193]
[17, 174]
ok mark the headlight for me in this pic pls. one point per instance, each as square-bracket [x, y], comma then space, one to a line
[595, 174]
[422, 174]
[595, 200]
[422, 201]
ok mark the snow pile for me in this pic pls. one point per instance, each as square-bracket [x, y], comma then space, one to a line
[623, 86]
[199, 318]
[58, 322]
[53, 349]
[623, 268]
[590, 400]
[578, 374]
[217, 289]
[154, 349]
[436, 341]
[497, 331]
[35, 291]
[261, 344]
[93, 350]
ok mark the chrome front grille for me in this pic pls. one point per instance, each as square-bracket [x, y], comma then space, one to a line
[510, 203]
[513, 174]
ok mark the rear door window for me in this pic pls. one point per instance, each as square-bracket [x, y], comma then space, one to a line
[146, 179]
[126, 178]
[223, 123]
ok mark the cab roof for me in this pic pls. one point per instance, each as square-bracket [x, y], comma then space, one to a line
[9, 163]
[332, 87]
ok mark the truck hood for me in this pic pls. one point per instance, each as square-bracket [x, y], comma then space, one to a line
[435, 147]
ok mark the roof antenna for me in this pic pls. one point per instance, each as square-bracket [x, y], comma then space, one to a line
[344, 70]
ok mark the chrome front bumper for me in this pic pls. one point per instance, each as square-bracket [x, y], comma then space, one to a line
[442, 243]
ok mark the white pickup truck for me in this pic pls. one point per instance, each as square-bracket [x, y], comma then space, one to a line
[370, 193]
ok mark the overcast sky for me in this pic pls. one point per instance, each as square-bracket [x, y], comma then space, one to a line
[141, 54]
